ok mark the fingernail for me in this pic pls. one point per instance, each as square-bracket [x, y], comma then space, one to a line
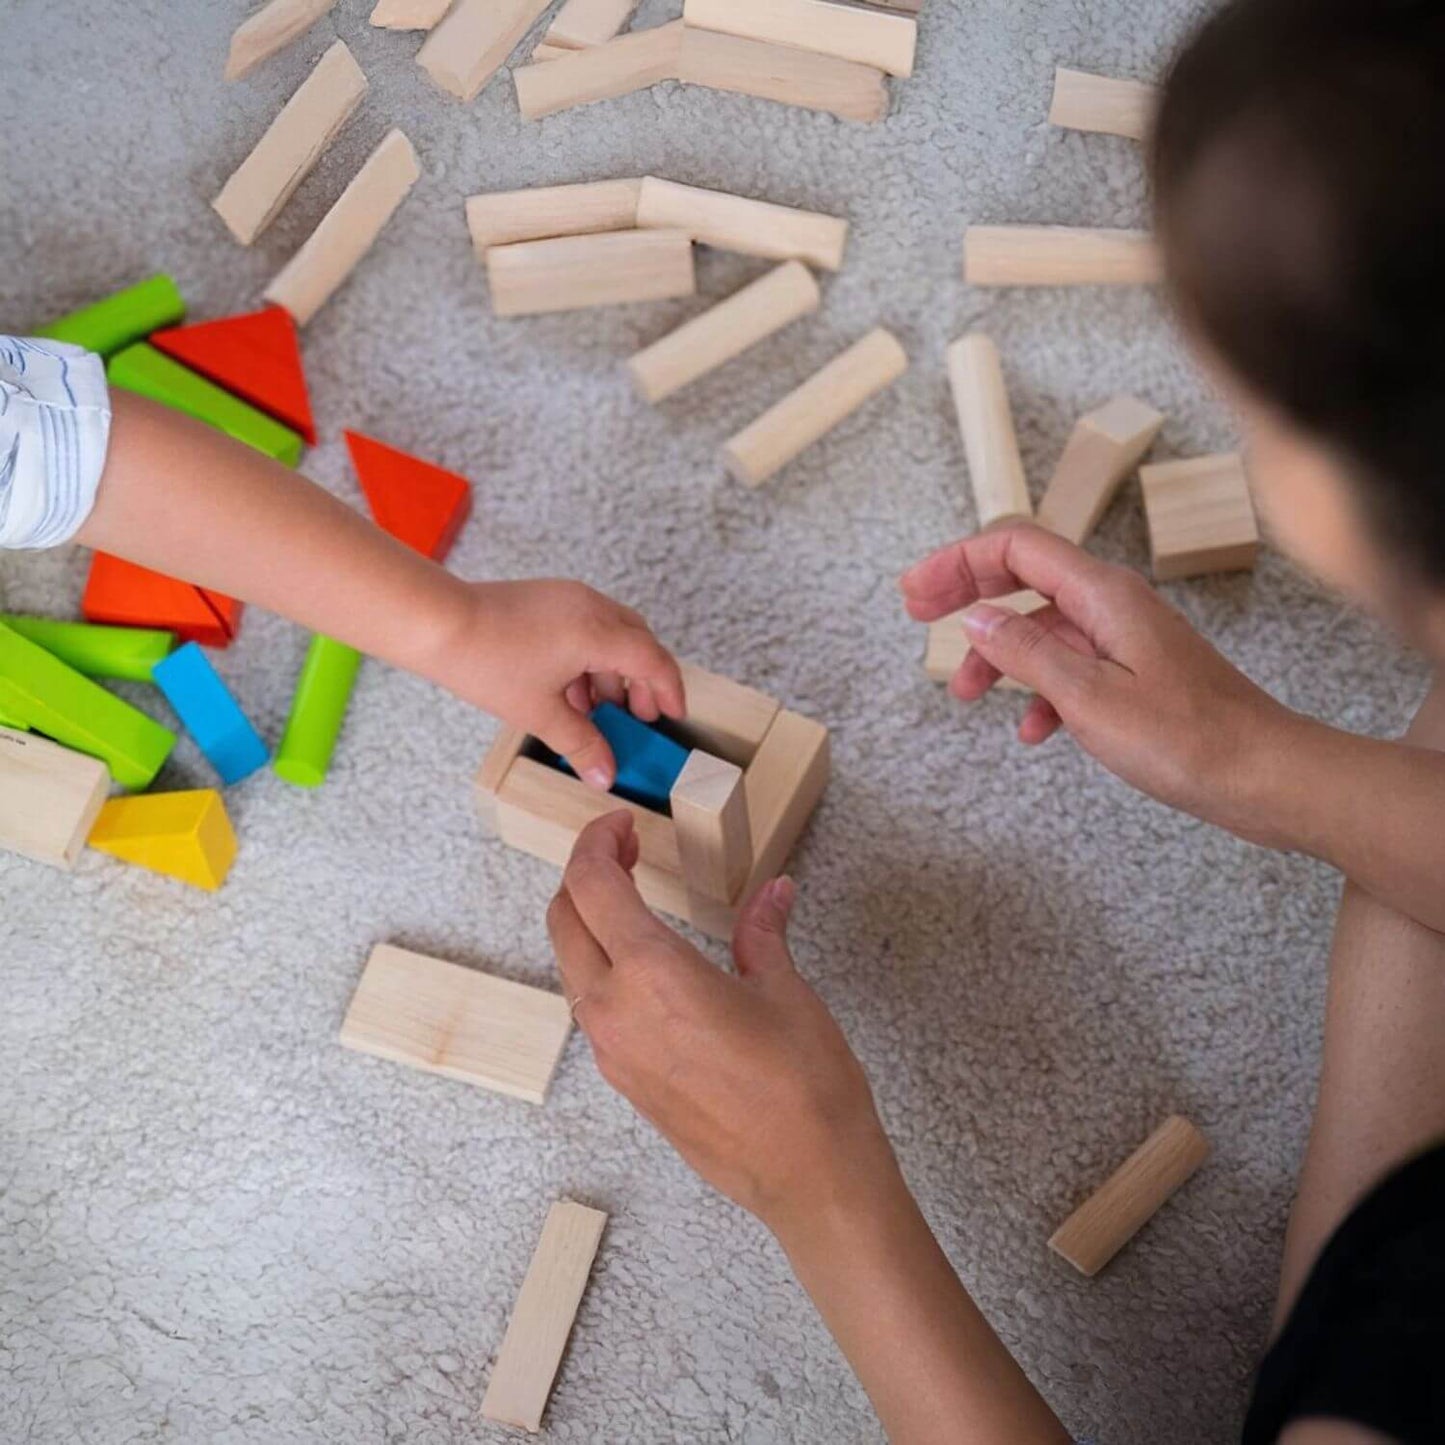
[981, 621]
[784, 894]
[598, 778]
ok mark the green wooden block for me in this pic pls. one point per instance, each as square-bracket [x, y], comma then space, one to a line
[15, 724]
[96, 650]
[147, 372]
[58, 701]
[317, 709]
[117, 321]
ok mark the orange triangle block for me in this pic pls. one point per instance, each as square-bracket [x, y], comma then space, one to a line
[422, 504]
[126, 595]
[255, 357]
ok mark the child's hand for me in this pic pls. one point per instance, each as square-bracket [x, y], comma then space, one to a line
[541, 655]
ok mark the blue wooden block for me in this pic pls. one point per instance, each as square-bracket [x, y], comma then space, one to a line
[210, 714]
[648, 761]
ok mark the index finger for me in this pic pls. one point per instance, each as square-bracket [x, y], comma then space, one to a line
[599, 882]
[633, 651]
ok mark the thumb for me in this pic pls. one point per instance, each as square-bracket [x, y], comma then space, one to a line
[760, 937]
[1023, 649]
[574, 736]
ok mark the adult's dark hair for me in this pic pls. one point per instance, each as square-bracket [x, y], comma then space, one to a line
[1298, 161]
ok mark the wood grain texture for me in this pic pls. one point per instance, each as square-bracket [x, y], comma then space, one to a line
[995, 468]
[602, 72]
[541, 213]
[50, 798]
[574, 272]
[726, 718]
[1099, 103]
[473, 42]
[714, 835]
[273, 27]
[784, 784]
[504, 751]
[1200, 515]
[1105, 446]
[1059, 256]
[883, 39]
[409, 14]
[580, 24]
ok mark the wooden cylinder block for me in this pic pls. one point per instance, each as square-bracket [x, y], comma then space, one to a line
[994, 465]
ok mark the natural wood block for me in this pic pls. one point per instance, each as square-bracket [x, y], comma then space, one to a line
[784, 784]
[542, 213]
[583, 23]
[505, 750]
[1200, 516]
[1095, 1232]
[1099, 103]
[456, 1021]
[273, 27]
[542, 1319]
[738, 223]
[293, 143]
[50, 797]
[347, 231]
[714, 836]
[948, 643]
[725, 718]
[409, 14]
[473, 42]
[1059, 256]
[726, 331]
[975, 373]
[573, 272]
[1106, 445]
[542, 51]
[782, 73]
[815, 408]
[602, 72]
[884, 39]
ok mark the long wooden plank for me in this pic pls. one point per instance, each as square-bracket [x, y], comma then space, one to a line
[573, 272]
[883, 39]
[409, 14]
[1102, 104]
[49, 798]
[602, 72]
[1059, 256]
[583, 23]
[541, 213]
[273, 27]
[473, 42]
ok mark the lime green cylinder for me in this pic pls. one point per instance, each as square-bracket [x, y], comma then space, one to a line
[323, 692]
[127, 316]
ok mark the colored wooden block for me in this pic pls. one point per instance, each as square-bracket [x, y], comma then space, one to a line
[648, 761]
[148, 372]
[348, 230]
[601, 72]
[458, 1022]
[273, 27]
[419, 503]
[15, 724]
[948, 643]
[186, 836]
[210, 713]
[120, 320]
[883, 39]
[256, 357]
[1059, 256]
[126, 653]
[473, 42]
[1095, 1232]
[318, 708]
[575, 272]
[1200, 515]
[61, 703]
[1104, 448]
[583, 23]
[1099, 103]
[738, 223]
[127, 595]
[542, 1319]
[544, 212]
[409, 14]
[49, 798]
[867, 367]
[995, 468]
[714, 835]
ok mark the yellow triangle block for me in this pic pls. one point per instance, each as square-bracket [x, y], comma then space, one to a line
[183, 835]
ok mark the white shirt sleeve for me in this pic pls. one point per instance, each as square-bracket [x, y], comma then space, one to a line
[54, 429]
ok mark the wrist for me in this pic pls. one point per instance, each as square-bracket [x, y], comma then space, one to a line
[1276, 778]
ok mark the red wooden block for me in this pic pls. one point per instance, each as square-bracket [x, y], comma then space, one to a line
[256, 357]
[124, 594]
[422, 504]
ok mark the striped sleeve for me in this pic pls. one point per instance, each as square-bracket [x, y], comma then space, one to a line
[54, 429]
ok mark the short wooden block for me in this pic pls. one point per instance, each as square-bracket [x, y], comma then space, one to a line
[348, 230]
[1000, 488]
[1106, 445]
[458, 1022]
[505, 750]
[738, 223]
[583, 23]
[409, 14]
[726, 331]
[1099, 103]
[881, 38]
[273, 27]
[948, 643]
[868, 366]
[714, 835]
[50, 798]
[1095, 1232]
[543, 213]
[602, 72]
[125, 595]
[542, 1320]
[1200, 516]
[263, 182]
[473, 42]
[186, 836]
[542, 51]
[784, 784]
[726, 718]
[1059, 256]
[574, 272]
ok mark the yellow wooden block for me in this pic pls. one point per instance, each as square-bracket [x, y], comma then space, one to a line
[183, 835]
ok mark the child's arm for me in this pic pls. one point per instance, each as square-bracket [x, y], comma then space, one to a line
[1156, 704]
[182, 498]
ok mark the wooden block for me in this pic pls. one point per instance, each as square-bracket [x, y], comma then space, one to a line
[119, 320]
[880, 38]
[505, 750]
[737, 223]
[573, 272]
[458, 1022]
[602, 72]
[125, 595]
[724, 717]
[542, 1320]
[473, 42]
[96, 651]
[583, 23]
[348, 229]
[1059, 256]
[1096, 1231]
[186, 836]
[784, 784]
[50, 798]
[779, 72]
[714, 834]
[542, 52]
[210, 713]
[948, 643]
[293, 143]
[815, 408]
[1104, 448]
[726, 331]
[418, 502]
[409, 14]
[995, 468]
[1099, 103]
[1200, 516]
[502, 218]
[273, 27]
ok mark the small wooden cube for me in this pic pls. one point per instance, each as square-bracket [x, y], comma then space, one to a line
[1200, 516]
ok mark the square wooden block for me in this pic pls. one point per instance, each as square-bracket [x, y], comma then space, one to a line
[785, 760]
[1200, 515]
